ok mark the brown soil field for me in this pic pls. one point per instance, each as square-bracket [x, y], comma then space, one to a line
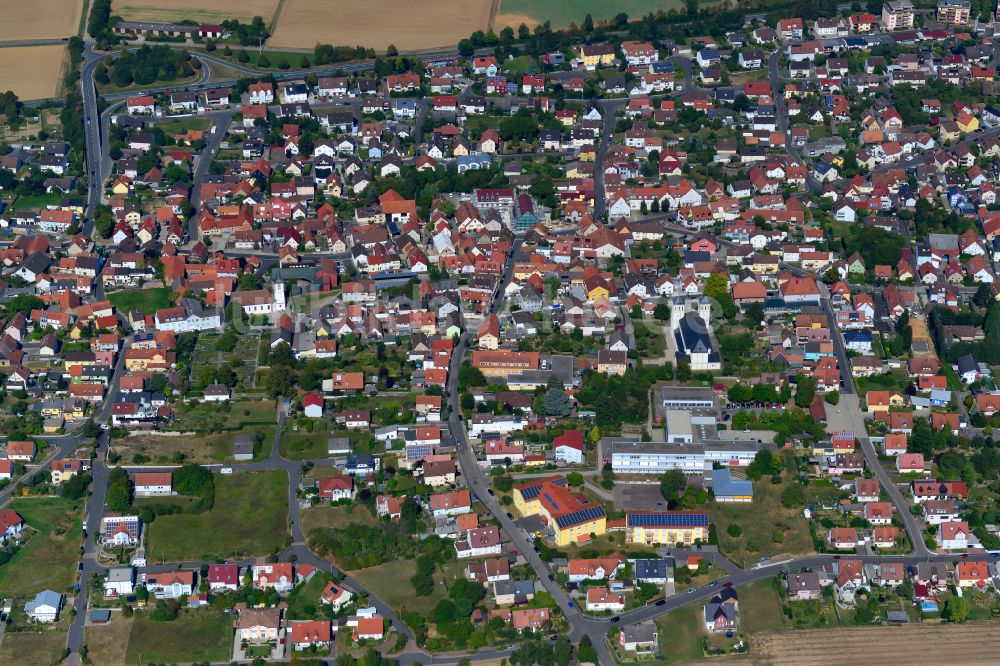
[33, 72]
[968, 644]
[40, 19]
[410, 26]
[195, 10]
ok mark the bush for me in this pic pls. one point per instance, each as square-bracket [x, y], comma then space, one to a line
[734, 530]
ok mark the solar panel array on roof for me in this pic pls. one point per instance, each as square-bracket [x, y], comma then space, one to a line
[548, 498]
[577, 517]
[530, 492]
[666, 519]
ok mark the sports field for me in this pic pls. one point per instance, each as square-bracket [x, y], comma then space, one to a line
[33, 72]
[39, 19]
[409, 25]
[215, 11]
[563, 12]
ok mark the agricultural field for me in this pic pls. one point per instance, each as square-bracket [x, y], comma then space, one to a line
[194, 10]
[48, 559]
[33, 72]
[407, 25]
[250, 517]
[203, 634]
[41, 19]
[970, 643]
[563, 12]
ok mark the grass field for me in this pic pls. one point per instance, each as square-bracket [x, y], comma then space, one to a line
[970, 644]
[407, 25]
[182, 125]
[43, 648]
[204, 634]
[768, 528]
[42, 19]
[33, 72]
[146, 301]
[239, 415]
[49, 558]
[390, 582]
[563, 12]
[107, 643]
[250, 517]
[37, 201]
[336, 517]
[760, 607]
[195, 10]
[680, 633]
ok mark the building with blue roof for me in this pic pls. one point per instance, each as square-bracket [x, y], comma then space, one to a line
[728, 489]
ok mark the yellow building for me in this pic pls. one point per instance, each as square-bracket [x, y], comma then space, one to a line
[568, 518]
[666, 528]
[595, 55]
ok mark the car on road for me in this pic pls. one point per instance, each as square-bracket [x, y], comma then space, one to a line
[615, 619]
[571, 605]
[661, 602]
[691, 591]
[510, 515]
[226, 470]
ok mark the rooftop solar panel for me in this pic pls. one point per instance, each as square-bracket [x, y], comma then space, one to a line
[582, 516]
[667, 519]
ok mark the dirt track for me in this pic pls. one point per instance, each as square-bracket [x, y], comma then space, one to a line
[968, 644]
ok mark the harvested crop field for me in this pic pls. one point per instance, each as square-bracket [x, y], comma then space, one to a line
[40, 19]
[969, 644]
[195, 10]
[33, 72]
[410, 26]
[564, 12]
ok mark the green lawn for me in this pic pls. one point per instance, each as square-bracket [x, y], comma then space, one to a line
[768, 528]
[760, 607]
[681, 633]
[250, 517]
[182, 125]
[203, 634]
[304, 600]
[37, 201]
[48, 560]
[146, 301]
